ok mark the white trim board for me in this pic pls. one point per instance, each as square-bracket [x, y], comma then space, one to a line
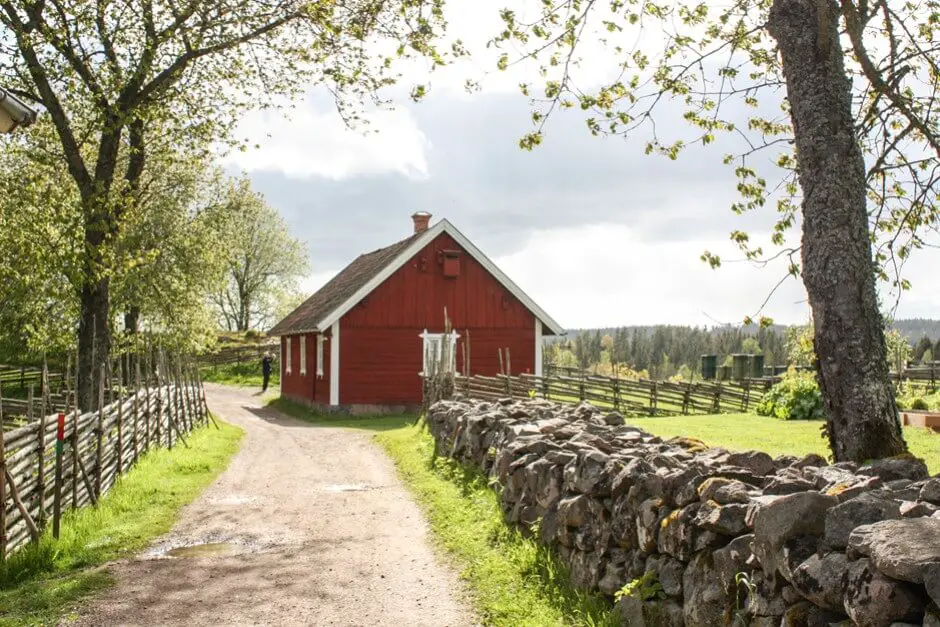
[426, 238]
[538, 347]
[334, 364]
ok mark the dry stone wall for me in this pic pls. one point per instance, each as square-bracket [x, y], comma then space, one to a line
[710, 537]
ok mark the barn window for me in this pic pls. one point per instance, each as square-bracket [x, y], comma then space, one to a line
[320, 340]
[288, 360]
[433, 348]
[303, 355]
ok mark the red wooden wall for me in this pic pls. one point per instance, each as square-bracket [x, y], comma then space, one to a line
[380, 347]
[305, 387]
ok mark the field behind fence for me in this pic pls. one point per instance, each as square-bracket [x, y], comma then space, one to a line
[628, 396]
[70, 459]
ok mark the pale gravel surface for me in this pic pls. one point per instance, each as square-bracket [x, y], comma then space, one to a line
[308, 551]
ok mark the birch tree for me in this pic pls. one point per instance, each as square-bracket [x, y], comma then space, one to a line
[262, 261]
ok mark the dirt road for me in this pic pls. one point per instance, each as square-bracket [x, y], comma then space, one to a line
[315, 529]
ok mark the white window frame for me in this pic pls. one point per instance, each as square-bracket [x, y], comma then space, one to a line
[303, 355]
[320, 340]
[435, 340]
[287, 362]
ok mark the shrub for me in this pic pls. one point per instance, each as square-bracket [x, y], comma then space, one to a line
[919, 404]
[796, 397]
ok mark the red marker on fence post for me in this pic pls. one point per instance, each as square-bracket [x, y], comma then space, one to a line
[57, 504]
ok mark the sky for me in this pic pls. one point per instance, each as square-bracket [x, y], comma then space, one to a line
[594, 230]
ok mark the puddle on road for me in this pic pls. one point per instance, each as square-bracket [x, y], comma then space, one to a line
[352, 487]
[202, 550]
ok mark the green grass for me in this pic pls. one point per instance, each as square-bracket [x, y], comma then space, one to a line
[513, 580]
[42, 582]
[368, 423]
[775, 437]
[246, 374]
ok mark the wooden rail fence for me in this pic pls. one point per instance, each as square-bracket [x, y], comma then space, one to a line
[70, 459]
[632, 396]
[240, 354]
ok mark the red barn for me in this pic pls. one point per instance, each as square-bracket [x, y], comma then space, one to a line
[359, 343]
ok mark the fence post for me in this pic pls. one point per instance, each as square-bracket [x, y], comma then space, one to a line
[747, 394]
[75, 451]
[41, 474]
[135, 436]
[147, 413]
[3, 488]
[159, 401]
[686, 399]
[57, 494]
[99, 432]
[120, 421]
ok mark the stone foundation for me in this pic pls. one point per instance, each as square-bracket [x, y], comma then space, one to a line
[710, 537]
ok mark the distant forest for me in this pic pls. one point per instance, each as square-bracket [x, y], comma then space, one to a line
[664, 351]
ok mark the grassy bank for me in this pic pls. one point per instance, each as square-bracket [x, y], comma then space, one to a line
[775, 437]
[44, 581]
[512, 579]
[243, 374]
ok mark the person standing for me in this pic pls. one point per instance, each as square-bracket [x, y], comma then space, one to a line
[265, 371]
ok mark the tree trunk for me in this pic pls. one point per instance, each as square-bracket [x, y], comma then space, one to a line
[838, 271]
[131, 328]
[94, 340]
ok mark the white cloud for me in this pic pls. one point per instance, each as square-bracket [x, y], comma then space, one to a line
[604, 275]
[315, 142]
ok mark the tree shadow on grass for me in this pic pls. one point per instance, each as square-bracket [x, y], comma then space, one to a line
[40, 601]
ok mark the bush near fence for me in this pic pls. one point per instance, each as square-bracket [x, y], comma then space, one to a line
[72, 459]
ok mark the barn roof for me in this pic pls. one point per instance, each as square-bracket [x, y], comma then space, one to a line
[368, 271]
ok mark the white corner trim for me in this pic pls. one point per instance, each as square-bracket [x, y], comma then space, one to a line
[441, 227]
[538, 347]
[334, 364]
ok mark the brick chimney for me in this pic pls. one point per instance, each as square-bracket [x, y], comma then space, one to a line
[421, 220]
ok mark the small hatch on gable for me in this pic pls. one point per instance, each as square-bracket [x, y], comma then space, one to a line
[451, 263]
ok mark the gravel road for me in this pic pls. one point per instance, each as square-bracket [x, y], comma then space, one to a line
[314, 527]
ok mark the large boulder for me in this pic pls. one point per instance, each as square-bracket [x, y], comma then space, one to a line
[668, 572]
[873, 600]
[703, 602]
[900, 549]
[904, 467]
[724, 519]
[930, 492]
[820, 579]
[865, 509]
[787, 517]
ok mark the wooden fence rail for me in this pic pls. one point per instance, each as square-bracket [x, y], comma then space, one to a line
[632, 396]
[69, 460]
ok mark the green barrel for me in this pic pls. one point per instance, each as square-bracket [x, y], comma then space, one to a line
[740, 366]
[709, 367]
[757, 366]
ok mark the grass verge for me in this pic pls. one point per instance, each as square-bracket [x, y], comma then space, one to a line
[45, 581]
[513, 580]
[243, 374]
[775, 437]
